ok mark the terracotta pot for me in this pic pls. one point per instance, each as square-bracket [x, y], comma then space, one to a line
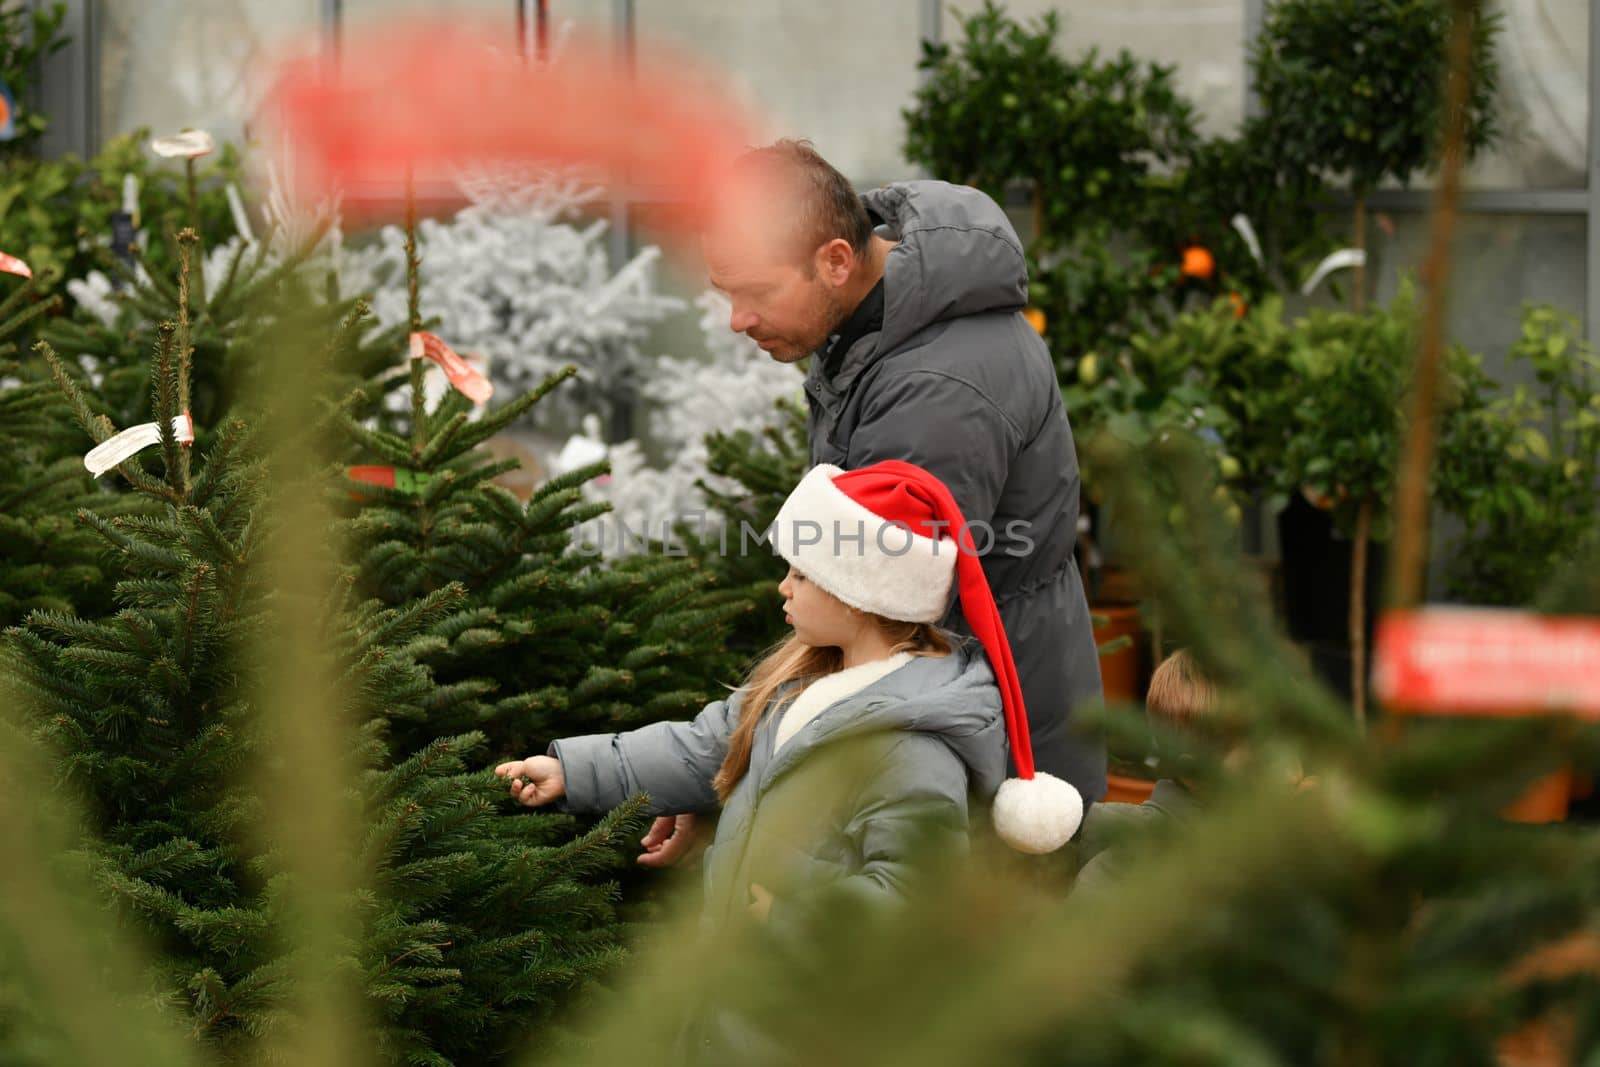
[1543, 1042]
[1549, 1040]
[1545, 801]
[1119, 672]
[1122, 789]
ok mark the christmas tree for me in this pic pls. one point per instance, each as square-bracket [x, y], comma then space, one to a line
[550, 639]
[242, 281]
[48, 560]
[465, 928]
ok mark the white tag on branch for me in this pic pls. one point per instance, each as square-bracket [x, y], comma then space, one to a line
[1247, 233]
[190, 144]
[130, 196]
[116, 450]
[241, 217]
[1340, 260]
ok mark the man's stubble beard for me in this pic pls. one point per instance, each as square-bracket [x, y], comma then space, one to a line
[834, 312]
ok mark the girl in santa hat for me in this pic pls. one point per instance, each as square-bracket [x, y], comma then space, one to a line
[914, 716]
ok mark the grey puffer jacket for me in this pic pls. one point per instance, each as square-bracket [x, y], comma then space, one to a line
[902, 757]
[959, 383]
[1108, 827]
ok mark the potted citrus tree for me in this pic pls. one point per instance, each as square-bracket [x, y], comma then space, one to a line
[1521, 471]
[1352, 93]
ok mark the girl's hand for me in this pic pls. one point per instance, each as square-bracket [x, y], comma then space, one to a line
[535, 781]
[760, 901]
[672, 840]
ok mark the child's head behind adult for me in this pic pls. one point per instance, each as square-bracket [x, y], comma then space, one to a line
[1183, 700]
[1180, 695]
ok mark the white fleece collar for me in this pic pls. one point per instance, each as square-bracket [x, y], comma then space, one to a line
[830, 689]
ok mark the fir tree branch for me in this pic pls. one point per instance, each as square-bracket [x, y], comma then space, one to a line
[98, 427]
[387, 446]
[200, 522]
[165, 389]
[191, 620]
[414, 616]
[26, 292]
[414, 318]
[500, 418]
[186, 243]
[18, 319]
[442, 440]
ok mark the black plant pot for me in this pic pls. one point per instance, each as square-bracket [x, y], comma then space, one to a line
[1316, 589]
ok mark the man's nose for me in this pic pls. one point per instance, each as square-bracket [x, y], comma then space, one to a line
[741, 321]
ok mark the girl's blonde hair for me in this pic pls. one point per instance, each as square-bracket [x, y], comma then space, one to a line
[792, 660]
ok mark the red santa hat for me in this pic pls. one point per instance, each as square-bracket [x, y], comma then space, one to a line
[889, 539]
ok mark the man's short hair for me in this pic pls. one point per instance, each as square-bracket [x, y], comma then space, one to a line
[1179, 693]
[826, 204]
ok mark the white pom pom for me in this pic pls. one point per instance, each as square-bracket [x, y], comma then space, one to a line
[1038, 814]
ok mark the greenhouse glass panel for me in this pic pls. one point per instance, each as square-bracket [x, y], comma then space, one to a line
[166, 64]
[835, 71]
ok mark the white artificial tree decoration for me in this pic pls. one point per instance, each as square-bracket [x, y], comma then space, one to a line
[518, 276]
[736, 388]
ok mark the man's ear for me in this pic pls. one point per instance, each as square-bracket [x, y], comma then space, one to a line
[835, 260]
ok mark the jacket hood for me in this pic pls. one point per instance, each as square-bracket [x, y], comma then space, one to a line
[957, 254]
[953, 698]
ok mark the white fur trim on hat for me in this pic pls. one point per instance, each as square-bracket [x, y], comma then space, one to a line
[1038, 814]
[863, 559]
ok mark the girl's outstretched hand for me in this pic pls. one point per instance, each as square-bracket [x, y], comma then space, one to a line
[535, 781]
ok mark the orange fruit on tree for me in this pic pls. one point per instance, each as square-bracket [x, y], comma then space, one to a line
[1035, 319]
[1197, 263]
[1239, 306]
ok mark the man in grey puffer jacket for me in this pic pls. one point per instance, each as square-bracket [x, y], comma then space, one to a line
[922, 354]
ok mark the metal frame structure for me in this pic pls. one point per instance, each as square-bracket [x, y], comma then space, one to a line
[1591, 319]
[70, 86]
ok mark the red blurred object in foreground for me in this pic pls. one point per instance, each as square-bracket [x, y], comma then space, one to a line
[430, 97]
[1473, 661]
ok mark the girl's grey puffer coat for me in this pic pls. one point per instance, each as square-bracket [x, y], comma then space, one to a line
[841, 807]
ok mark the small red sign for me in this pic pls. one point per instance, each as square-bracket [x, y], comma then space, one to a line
[1479, 661]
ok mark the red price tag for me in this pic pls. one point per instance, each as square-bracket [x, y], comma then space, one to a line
[1472, 661]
